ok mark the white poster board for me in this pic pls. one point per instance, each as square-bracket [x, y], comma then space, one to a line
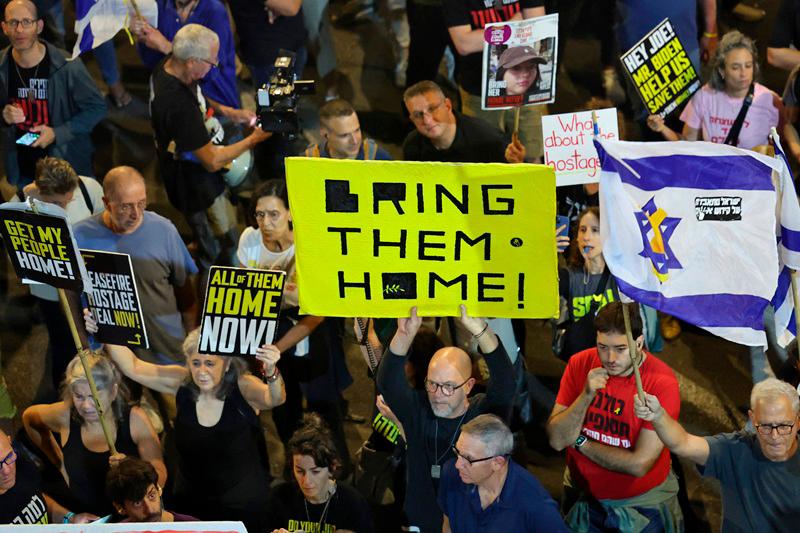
[149, 527]
[568, 146]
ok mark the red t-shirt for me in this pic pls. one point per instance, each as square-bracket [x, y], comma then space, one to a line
[610, 420]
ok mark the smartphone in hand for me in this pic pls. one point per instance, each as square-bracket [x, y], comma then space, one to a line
[28, 139]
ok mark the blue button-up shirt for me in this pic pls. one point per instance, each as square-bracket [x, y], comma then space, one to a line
[220, 83]
[523, 505]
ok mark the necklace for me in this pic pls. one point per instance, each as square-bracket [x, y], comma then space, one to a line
[31, 97]
[331, 492]
[436, 468]
[586, 275]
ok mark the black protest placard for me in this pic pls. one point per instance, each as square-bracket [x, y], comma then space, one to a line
[661, 70]
[41, 249]
[114, 299]
[240, 312]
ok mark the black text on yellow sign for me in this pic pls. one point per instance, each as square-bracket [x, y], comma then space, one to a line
[661, 70]
[241, 310]
[41, 248]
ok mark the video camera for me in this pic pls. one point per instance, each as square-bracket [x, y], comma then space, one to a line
[277, 100]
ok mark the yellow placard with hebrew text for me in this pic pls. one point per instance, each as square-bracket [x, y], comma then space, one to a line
[374, 238]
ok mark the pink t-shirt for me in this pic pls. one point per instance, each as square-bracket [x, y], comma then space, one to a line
[714, 112]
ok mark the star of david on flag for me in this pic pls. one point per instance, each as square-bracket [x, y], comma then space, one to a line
[689, 228]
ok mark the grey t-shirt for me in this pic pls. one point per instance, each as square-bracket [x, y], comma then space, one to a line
[757, 494]
[161, 262]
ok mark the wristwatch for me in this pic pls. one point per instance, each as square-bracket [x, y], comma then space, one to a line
[580, 441]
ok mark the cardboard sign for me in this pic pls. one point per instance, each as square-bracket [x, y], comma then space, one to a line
[661, 70]
[130, 527]
[114, 299]
[519, 63]
[240, 312]
[41, 246]
[568, 146]
[375, 238]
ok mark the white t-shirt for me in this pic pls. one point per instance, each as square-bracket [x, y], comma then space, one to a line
[77, 210]
[253, 254]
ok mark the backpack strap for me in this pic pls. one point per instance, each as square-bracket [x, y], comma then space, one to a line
[85, 193]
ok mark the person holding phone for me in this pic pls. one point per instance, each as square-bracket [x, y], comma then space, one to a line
[46, 96]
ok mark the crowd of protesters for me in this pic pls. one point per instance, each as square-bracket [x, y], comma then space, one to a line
[171, 434]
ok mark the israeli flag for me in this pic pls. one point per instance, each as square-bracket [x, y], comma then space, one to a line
[97, 21]
[788, 232]
[690, 229]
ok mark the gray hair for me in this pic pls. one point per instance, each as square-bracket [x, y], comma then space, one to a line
[731, 41]
[492, 432]
[772, 389]
[237, 367]
[193, 41]
[422, 87]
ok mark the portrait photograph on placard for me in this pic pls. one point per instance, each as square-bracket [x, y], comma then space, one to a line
[520, 63]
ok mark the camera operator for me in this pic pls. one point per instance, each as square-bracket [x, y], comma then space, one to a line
[189, 161]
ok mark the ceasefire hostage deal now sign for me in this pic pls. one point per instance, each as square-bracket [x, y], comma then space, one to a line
[661, 70]
[374, 238]
[240, 312]
[114, 299]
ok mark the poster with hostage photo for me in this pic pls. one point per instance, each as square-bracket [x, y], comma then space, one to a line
[519, 63]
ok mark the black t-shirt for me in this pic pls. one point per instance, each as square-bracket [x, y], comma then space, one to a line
[786, 28]
[477, 14]
[24, 503]
[475, 142]
[572, 199]
[260, 41]
[347, 509]
[27, 88]
[179, 127]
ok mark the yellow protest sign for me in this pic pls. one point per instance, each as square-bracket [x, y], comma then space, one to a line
[374, 238]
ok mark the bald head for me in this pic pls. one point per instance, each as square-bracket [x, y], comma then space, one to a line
[8, 469]
[26, 5]
[125, 198]
[450, 369]
[453, 358]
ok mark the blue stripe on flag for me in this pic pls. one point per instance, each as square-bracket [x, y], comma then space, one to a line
[790, 239]
[691, 172]
[792, 326]
[706, 310]
[82, 8]
[783, 290]
[87, 39]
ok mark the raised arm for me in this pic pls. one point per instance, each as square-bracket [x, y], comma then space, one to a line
[392, 383]
[565, 422]
[161, 378]
[671, 433]
[269, 393]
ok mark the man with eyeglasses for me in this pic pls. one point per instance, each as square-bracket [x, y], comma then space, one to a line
[162, 265]
[45, 95]
[619, 473]
[132, 486]
[432, 419]
[22, 501]
[759, 473]
[482, 489]
[443, 134]
[186, 132]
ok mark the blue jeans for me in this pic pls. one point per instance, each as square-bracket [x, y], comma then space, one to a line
[106, 57]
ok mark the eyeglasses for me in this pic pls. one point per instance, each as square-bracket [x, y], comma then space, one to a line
[419, 115]
[14, 23]
[447, 388]
[767, 429]
[207, 62]
[141, 205]
[10, 459]
[472, 461]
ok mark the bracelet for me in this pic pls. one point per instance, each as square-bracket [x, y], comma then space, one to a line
[68, 516]
[710, 35]
[274, 377]
[479, 335]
